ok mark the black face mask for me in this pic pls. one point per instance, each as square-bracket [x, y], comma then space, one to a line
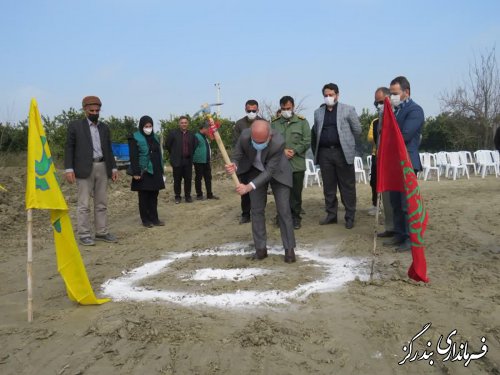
[93, 118]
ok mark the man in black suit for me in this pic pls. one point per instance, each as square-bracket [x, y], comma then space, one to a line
[259, 152]
[252, 110]
[89, 161]
[181, 144]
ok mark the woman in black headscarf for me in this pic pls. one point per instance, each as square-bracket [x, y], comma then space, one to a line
[147, 167]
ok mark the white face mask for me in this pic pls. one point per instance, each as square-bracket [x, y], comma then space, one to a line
[251, 115]
[395, 101]
[380, 108]
[330, 101]
[147, 131]
[287, 114]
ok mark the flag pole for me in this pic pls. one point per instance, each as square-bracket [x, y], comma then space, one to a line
[375, 232]
[29, 265]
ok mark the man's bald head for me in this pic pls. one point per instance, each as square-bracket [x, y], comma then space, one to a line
[261, 130]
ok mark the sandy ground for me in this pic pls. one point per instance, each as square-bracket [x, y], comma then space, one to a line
[358, 329]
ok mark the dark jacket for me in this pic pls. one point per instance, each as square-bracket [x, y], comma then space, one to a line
[173, 144]
[240, 125]
[497, 139]
[146, 161]
[273, 158]
[79, 154]
[411, 119]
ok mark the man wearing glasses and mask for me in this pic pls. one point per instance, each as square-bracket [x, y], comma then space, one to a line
[373, 136]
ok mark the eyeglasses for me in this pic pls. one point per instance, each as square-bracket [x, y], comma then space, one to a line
[375, 103]
[251, 111]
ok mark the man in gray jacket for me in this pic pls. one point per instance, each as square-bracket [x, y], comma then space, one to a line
[259, 152]
[89, 161]
[333, 141]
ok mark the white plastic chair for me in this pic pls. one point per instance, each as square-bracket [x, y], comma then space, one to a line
[495, 155]
[311, 171]
[469, 161]
[456, 166]
[486, 163]
[429, 164]
[359, 169]
[441, 161]
[369, 162]
[421, 173]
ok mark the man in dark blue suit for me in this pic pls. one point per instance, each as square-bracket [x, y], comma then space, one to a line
[410, 118]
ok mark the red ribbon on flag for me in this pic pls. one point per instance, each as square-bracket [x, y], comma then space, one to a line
[214, 125]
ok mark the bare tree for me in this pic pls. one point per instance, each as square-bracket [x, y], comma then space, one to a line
[479, 96]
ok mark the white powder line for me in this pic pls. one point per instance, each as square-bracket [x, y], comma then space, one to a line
[338, 272]
[235, 274]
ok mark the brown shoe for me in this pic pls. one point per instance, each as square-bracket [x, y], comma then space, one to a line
[260, 254]
[290, 256]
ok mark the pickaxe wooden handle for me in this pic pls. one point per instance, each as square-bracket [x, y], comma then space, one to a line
[222, 148]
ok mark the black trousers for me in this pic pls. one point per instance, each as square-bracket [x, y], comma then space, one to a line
[245, 199]
[336, 172]
[185, 171]
[148, 206]
[203, 171]
[373, 180]
[296, 194]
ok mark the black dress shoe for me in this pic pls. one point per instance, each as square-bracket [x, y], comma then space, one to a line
[148, 225]
[289, 256]
[349, 224]
[394, 241]
[296, 223]
[259, 254]
[188, 200]
[211, 196]
[159, 223]
[386, 234]
[403, 247]
[329, 219]
[245, 219]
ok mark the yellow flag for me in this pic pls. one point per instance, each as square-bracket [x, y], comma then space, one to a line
[43, 192]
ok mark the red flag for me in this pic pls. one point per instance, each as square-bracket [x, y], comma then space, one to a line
[395, 173]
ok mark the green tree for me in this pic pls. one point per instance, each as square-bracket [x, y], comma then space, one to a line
[478, 98]
[14, 137]
[364, 147]
[121, 128]
[450, 132]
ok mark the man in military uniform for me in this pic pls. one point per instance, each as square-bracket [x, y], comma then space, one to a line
[297, 133]
[252, 110]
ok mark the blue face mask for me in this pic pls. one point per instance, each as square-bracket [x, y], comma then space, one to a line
[259, 146]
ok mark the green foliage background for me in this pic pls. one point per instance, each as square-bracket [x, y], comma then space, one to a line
[445, 132]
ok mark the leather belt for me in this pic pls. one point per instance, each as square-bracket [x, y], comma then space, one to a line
[330, 147]
[97, 160]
